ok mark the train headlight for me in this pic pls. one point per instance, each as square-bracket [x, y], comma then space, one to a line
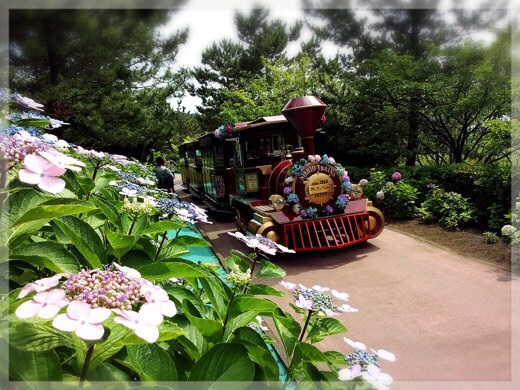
[357, 191]
[277, 202]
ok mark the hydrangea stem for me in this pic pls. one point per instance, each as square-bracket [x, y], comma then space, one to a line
[132, 225]
[227, 311]
[306, 325]
[255, 260]
[84, 371]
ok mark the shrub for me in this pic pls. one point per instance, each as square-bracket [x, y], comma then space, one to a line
[448, 208]
[401, 199]
[491, 237]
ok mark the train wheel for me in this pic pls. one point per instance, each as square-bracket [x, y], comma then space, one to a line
[238, 221]
[270, 230]
[376, 221]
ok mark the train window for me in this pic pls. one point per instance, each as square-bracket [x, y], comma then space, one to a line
[278, 145]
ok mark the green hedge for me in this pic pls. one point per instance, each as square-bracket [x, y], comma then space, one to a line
[487, 186]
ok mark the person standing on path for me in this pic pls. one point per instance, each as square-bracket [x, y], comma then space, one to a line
[164, 175]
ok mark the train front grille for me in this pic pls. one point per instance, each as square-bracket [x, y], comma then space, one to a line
[326, 233]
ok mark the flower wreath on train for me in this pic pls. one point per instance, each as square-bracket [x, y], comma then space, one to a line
[314, 212]
[224, 131]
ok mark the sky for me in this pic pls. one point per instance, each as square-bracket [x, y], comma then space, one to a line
[211, 21]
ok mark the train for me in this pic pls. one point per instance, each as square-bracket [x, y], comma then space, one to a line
[266, 176]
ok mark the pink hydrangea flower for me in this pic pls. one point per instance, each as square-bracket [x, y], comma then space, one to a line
[83, 320]
[288, 285]
[158, 299]
[384, 354]
[396, 176]
[340, 295]
[357, 345]
[43, 173]
[40, 285]
[45, 304]
[61, 160]
[303, 303]
[348, 374]
[144, 323]
[129, 272]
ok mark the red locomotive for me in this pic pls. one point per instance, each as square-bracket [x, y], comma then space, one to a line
[266, 174]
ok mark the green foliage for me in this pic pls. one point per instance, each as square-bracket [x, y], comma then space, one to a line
[103, 71]
[228, 67]
[491, 237]
[401, 199]
[450, 209]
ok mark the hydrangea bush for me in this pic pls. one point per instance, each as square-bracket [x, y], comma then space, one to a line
[100, 289]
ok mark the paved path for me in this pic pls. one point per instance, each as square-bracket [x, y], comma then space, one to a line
[447, 318]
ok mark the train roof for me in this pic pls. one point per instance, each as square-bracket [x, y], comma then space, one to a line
[240, 126]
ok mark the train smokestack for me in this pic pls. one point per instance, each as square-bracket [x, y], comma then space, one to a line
[305, 113]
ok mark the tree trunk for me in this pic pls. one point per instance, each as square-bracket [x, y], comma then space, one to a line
[416, 16]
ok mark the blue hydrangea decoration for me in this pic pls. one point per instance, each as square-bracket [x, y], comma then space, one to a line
[324, 160]
[293, 198]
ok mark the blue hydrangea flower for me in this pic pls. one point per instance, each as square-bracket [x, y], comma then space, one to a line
[342, 201]
[346, 186]
[312, 212]
[293, 198]
[297, 170]
[324, 160]
[128, 176]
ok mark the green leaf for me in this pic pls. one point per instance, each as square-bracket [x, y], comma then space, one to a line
[244, 303]
[264, 289]
[288, 330]
[39, 123]
[107, 372]
[34, 366]
[312, 373]
[86, 183]
[171, 251]
[48, 212]
[179, 268]
[258, 351]
[215, 290]
[162, 226]
[109, 210]
[109, 346]
[50, 255]
[120, 243]
[209, 328]
[335, 357]
[224, 363]
[243, 265]
[269, 270]
[324, 327]
[190, 241]
[152, 363]
[84, 238]
[35, 337]
[304, 352]
[38, 216]
[238, 322]
[22, 200]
